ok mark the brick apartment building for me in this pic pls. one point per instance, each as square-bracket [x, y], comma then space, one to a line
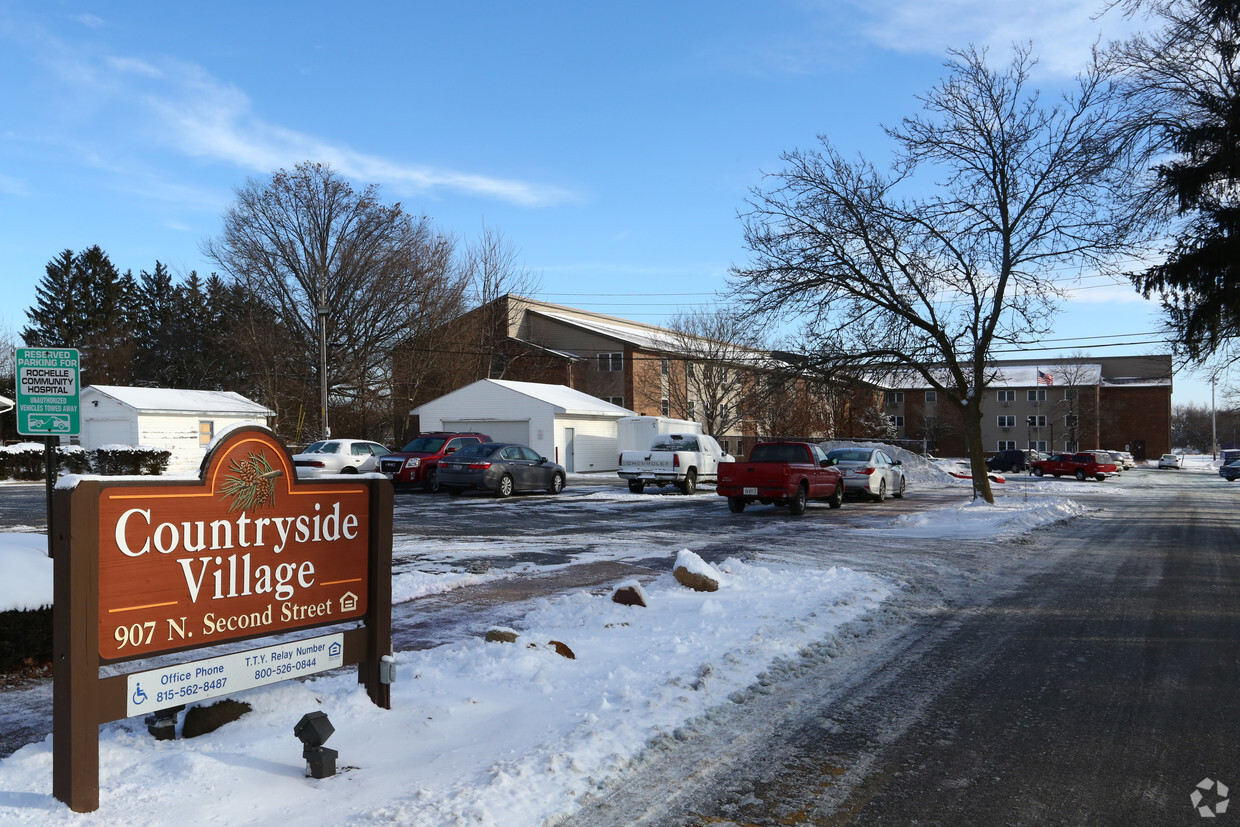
[740, 394]
[1115, 402]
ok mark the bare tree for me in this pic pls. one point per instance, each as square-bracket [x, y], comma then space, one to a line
[318, 251]
[712, 364]
[929, 284]
[492, 269]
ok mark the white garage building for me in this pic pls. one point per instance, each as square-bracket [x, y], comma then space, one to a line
[573, 428]
[180, 421]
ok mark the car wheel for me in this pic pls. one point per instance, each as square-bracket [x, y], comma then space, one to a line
[882, 491]
[431, 483]
[1037, 472]
[899, 492]
[505, 486]
[1080, 474]
[1100, 477]
[636, 486]
[796, 506]
[689, 486]
[837, 499]
[348, 469]
[557, 483]
[736, 504]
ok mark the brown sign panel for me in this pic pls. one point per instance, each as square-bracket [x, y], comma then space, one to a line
[248, 550]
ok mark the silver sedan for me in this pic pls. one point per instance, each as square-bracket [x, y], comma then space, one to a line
[870, 471]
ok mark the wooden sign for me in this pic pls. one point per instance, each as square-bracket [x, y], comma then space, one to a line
[247, 552]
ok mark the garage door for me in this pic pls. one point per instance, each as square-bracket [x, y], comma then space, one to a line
[498, 430]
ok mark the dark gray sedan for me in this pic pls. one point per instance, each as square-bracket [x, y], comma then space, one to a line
[502, 467]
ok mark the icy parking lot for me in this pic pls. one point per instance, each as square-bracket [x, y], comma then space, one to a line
[515, 734]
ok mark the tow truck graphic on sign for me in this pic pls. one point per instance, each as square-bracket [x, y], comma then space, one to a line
[54, 423]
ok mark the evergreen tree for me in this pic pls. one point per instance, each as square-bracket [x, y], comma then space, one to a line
[1184, 84]
[82, 302]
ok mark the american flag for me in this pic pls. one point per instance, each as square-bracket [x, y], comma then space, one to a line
[1045, 378]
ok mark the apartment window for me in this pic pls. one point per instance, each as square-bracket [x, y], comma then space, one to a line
[206, 432]
[692, 410]
[1035, 421]
[664, 366]
[610, 362]
[1006, 445]
[1005, 421]
[1038, 445]
[616, 400]
[1005, 397]
[896, 421]
[665, 407]
[1069, 394]
[1038, 395]
[1070, 446]
[894, 398]
[688, 370]
[932, 396]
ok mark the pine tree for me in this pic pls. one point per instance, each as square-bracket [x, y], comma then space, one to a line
[82, 302]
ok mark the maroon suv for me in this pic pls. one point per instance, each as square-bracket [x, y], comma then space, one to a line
[418, 462]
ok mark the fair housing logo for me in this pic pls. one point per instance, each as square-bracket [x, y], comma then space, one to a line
[1198, 796]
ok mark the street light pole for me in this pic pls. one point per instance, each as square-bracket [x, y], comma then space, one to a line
[327, 431]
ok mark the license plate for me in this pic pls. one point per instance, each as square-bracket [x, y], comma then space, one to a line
[749, 492]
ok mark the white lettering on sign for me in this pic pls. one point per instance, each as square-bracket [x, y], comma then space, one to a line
[233, 575]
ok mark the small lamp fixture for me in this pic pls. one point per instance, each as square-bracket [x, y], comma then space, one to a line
[313, 730]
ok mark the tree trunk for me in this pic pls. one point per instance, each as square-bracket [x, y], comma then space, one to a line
[972, 416]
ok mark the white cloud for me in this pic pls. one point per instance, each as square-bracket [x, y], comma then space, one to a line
[1061, 31]
[199, 116]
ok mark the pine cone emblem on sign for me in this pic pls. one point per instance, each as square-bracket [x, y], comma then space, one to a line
[247, 485]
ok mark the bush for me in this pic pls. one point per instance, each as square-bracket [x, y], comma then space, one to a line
[23, 461]
[25, 635]
[130, 460]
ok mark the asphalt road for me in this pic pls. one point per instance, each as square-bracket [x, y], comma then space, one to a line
[1101, 691]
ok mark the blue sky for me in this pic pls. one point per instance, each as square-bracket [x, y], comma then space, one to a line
[612, 144]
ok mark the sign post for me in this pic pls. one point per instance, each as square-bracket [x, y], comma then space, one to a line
[48, 403]
[246, 551]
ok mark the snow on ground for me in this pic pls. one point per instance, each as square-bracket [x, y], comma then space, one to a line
[489, 733]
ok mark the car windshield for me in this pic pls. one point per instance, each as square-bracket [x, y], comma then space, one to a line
[313, 447]
[329, 448]
[849, 455]
[424, 445]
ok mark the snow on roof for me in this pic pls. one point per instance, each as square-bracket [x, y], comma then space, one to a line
[564, 398]
[1014, 376]
[175, 400]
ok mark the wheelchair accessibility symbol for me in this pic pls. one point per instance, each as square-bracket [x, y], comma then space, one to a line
[139, 697]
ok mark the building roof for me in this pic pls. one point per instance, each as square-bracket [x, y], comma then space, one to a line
[180, 401]
[564, 399]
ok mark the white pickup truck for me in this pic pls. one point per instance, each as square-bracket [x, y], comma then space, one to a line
[680, 459]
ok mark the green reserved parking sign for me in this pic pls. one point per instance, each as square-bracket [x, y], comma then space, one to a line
[47, 391]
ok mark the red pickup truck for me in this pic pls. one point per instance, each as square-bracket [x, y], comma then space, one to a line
[781, 473]
[1082, 465]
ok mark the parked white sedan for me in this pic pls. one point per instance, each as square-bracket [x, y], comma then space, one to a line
[340, 456]
[869, 471]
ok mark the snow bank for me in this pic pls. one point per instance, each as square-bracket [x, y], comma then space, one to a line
[917, 469]
[482, 733]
